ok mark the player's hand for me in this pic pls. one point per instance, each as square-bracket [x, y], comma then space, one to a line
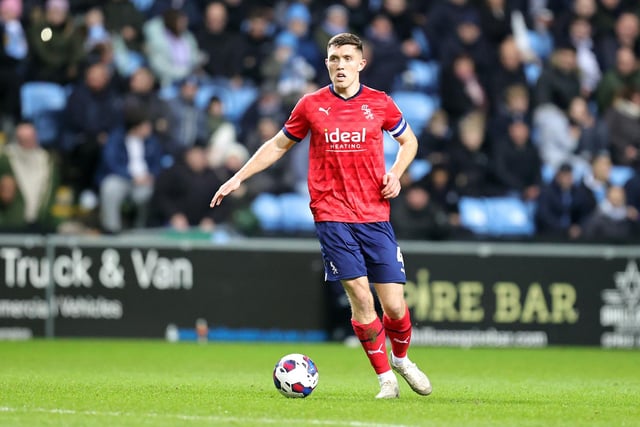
[225, 189]
[390, 186]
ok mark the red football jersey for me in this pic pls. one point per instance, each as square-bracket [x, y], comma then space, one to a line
[346, 153]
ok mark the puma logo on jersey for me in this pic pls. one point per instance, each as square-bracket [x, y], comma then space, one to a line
[379, 350]
[325, 110]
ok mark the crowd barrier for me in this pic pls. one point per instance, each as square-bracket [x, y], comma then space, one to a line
[460, 294]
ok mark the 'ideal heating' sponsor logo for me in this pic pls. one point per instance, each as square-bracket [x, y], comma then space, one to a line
[345, 141]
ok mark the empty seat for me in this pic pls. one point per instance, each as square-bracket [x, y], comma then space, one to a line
[43, 103]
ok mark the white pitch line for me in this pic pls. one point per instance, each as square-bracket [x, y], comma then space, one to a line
[210, 418]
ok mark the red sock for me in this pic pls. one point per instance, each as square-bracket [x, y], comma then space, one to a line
[399, 332]
[374, 343]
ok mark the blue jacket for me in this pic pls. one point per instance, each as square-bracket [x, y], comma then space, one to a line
[115, 158]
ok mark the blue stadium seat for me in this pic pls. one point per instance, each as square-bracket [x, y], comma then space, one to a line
[43, 103]
[418, 169]
[268, 211]
[620, 175]
[497, 216]
[142, 5]
[416, 107]
[474, 215]
[235, 100]
[296, 215]
[509, 216]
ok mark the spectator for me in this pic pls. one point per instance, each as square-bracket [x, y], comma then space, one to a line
[359, 16]
[590, 131]
[415, 216]
[623, 126]
[222, 139]
[224, 49]
[593, 186]
[442, 21]
[626, 73]
[468, 39]
[577, 9]
[385, 60]
[124, 22]
[180, 189]
[142, 91]
[13, 55]
[470, 167]
[279, 177]
[172, 49]
[514, 106]
[286, 70]
[441, 189]
[269, 104]
[627, 32]
[517, 162]
[298, 24]
[435, 138]
[187, 122]
[558, 140]
[259, 45]
[632, 194]
[556, 213]
[463, 88]
[95, 30]
[508, 72]
[130, 163]
[54, 43]
[335, 21]
[580, 35]
[28, 183]
[559, 82]
[495, 21]
[92, 111]
[613, 219]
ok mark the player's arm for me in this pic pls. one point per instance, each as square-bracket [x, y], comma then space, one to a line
[269, 153]
[406, 153]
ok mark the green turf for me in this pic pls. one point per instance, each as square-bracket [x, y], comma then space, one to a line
[152, 383]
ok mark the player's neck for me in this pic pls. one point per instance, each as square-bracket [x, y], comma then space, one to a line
[347, 92]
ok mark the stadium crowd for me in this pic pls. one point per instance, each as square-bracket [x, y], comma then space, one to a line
[124, 114]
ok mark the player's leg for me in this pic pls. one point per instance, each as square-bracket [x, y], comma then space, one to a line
[370, 331]
[344, 262]
[396, 320]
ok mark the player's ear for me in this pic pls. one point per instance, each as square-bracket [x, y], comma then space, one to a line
[363, 63]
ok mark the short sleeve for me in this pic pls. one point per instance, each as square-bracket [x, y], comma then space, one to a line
[394, 123]
[297, 125]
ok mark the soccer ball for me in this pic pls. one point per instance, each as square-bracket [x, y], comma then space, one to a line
[295, 375]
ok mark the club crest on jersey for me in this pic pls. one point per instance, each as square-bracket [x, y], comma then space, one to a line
[368, 114]
[340, 140]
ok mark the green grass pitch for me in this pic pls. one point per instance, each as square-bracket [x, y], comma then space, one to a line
[154, 383]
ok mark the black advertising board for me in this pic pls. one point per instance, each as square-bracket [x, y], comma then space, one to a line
[516, 300]
[138, 292]
[520, 295]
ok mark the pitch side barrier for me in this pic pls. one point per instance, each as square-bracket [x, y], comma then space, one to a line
[460, 294]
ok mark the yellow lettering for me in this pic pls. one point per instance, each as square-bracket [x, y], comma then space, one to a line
[563, 300]
[470, 305]
[507, 302]
[417, 295]
[444, 299]
[535, 306]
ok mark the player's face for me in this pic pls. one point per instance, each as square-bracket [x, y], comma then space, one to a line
[344, 64]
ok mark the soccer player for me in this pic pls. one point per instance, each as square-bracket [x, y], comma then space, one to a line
[350, 191]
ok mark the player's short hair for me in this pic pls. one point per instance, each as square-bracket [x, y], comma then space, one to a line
[345, 39]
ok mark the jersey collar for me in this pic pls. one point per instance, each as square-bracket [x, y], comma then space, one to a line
[345, 99]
